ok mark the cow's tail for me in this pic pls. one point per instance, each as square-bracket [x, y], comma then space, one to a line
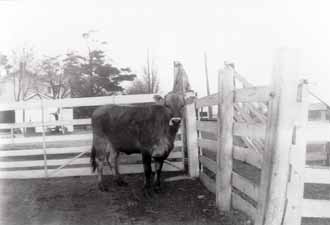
[93, 156]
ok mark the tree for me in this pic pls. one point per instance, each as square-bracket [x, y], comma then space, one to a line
[21, 72]
[51, 76]
[148, 83]
[94, 75]
[52, 82]
[4, 67]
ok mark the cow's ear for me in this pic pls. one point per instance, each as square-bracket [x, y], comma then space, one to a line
[159, 99]
[190, 100]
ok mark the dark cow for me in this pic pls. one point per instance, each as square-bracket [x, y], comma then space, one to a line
[149, 130]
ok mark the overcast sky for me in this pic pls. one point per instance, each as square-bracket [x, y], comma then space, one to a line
[245, 32]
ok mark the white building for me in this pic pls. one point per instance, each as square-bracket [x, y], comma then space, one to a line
[31, 115]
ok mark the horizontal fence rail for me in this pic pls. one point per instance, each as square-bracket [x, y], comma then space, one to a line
[47, 123]
[208, 182]
[241, 204]
[253, 94]
[207, 126]
[78, 102]
[207, 101]
[254, 130]
[245, 185]
[315, 208]
[247, 155]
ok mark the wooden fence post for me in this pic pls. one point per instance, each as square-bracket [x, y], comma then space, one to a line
[225, 139]
[295, 192]
[327, 151]
[280, 128]
[191, 137]
[44, 136]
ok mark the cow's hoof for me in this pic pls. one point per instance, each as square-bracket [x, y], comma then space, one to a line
[157, 189]
[148, 193]
[121, 182]
[132, 203]
[103, 188]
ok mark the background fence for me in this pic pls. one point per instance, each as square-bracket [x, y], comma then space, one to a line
[55, 155]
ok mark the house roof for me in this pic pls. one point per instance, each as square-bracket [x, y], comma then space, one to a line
[38, 96]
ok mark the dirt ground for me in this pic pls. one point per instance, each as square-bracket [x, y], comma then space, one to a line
[73, 201]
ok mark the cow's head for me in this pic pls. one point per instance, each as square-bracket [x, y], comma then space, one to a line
[175, 102]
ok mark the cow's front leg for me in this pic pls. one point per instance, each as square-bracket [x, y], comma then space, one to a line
[117, 177]
[147, 190]
[158, 167]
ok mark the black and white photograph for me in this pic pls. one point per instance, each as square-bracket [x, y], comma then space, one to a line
[145, 112]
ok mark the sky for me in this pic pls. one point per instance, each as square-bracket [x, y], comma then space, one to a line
[244, 32]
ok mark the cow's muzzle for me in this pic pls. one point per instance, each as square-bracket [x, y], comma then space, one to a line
[175, 121]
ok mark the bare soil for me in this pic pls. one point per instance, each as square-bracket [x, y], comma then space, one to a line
[73, 201]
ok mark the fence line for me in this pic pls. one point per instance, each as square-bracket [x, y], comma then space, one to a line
[78, 102]
[42, 160]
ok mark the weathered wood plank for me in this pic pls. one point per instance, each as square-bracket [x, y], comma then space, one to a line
[317, 106]
[207, 101]
[255, 130]
[261, 116]
[315, 208]
[247, 155]
[283, 110]
[83, 160]
[84, 171]
[191, 139]
[65, 150]
[246, 186]
[208, 182]
[208, 163]
[207, 144]
[207, 126]
[243, 80]
[50, 151]
[25, 140]
[47, 123]
[39, 163]
[77, 102]
[253, 94]
[55, 138]
[316, 156]
[225, 139]
[320, 175]
[242, 205]
[317, 131]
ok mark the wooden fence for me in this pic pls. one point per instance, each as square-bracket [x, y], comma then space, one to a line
[61, 155]
[237, 135]
[253, 155]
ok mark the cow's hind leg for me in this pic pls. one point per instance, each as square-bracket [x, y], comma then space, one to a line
[117, 177]
[100, 165]
[107, 159]
[97, 158]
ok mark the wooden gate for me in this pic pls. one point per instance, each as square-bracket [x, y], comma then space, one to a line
[59, 155]
[253, 154]
[231, 144]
